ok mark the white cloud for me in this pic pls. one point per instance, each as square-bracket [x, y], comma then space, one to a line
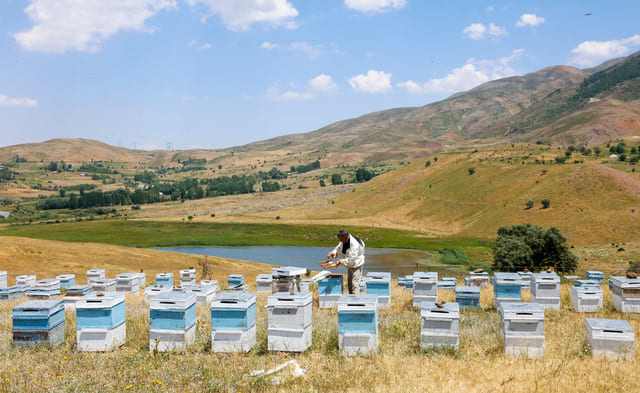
[470, 75]
[205, 46]
[311, 51]
[82, 25]
[269, 45]
[478, 31]
[591, 53]
[239, 15]
[8, 101]
[323, 83]
[320, 84]
[529, 20]
[373, 6]
[373, 82]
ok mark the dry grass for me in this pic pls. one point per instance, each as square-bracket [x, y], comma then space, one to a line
[399, 366]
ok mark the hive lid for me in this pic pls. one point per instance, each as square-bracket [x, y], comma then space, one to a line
[350, 299]
[238, 298]
[583, 289]
[447, 308]
[468, 290]
[66, 276]
[518, 307]
[293, 298]
[379, 276]
[100, 300]
[173, 300]
[288, 271]
[609, 324]
[52, 305]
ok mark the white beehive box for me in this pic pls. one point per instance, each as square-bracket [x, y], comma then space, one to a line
[440, 325]
[545, 290]
[164, 280]
[142, 279]
[586, 299]
[626, 294]
[233, 322]
[610, 338]
[204, 293]
[289, 321]
[522, 328]
[263, 283]
[286, 279]
[95, 274]
[358, 324]
[103, 285]
[27, 280]
[172, 321]
[480, 279]
[3, 279]
[188, 277]
[128, 283]
[45, 289]
[101, 321]
[425, 287]
[66, 280]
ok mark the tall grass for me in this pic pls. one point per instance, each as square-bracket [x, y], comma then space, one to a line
[479, 365]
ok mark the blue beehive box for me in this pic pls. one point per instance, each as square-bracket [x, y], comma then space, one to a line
[233, 311]
[100, 311]
[235, 279]
[164, 279]
[447, 283]
[66, 280]
[332, 285]
[595, 275]
[468, 297]
[358, 324]
[507, 286]
[174, 310]
[402, 282]
[78, 290]
[11, 293]
[38, 322]
[587, 283]
[409, 282]
[379, 283]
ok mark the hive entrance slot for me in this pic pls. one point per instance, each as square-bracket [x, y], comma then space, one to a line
[612, 331]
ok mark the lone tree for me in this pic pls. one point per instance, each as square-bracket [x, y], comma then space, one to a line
[533, 247]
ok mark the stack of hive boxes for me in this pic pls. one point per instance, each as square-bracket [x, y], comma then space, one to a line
[38, 322]
[95, 274]
[204, 293]
[45, 289]
[522, 327]
[164, 280]
[507, 287]
[586, 299]
[289, 321]
[626, 294]
[440, 325]
[101, 322]
[545, 290]
[610, 338]
[103, 285]
[379, 283]
[66, 280]
[128, 283]
[479, 279]
[447, 284]
[425, 288]
[263, 283]
[188, 277]
[173, 321]
[233, 322]
[329, 291]
[358, 324]
[286, 279]
[27, 280]
[468, 297]
[72, 295]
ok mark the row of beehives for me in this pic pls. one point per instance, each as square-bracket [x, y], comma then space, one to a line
[101, 324]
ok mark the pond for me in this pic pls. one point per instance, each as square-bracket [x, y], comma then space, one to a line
[398, 262]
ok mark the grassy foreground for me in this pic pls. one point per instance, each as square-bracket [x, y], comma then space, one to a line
[480, 365]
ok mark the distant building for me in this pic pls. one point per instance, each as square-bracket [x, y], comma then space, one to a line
[4, 214]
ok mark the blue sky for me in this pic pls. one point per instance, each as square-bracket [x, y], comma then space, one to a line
[218, 73]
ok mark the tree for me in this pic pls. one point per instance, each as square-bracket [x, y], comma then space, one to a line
[336, 179]
[363, 175]
[597, 151]
[530, 246]
[322, 183]
[622, 157]
[529, 204]
[471, 171]
[427, 164]
[545, 203]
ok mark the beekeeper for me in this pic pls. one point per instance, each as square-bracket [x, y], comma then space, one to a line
[350, 251]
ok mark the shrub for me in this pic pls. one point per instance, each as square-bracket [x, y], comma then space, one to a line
[529, 204]
[471, 171]
[545, 203]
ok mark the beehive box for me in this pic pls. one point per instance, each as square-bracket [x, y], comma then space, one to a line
[507, 287]
[263, 283]
[103, 285]
[128, 283]
[164, 280]
[38, 322]
[468, 297]
[142, 279]
[66, 280]
[172, 321]
[95, 274]
[610, 338]
[480, 279]
[379, 283]
[204, 293]
[235, 279]
[358, 324]
[154, 290]
[287, 279]
[3, 279]
[626, 294]
[188, 277]
[522, 327]
[587, 283]
[595, 275]
[545, 290]
[208, 282]
[12, 293]
[237, 289]
[233, 322]
[329, 290]
[425, 287]
[101, 321]
[402, 282]
[289, 321]
[45, 289]
[440, 326]
[27, 280]
[586, 299]
[409, 282]
[447, 284]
